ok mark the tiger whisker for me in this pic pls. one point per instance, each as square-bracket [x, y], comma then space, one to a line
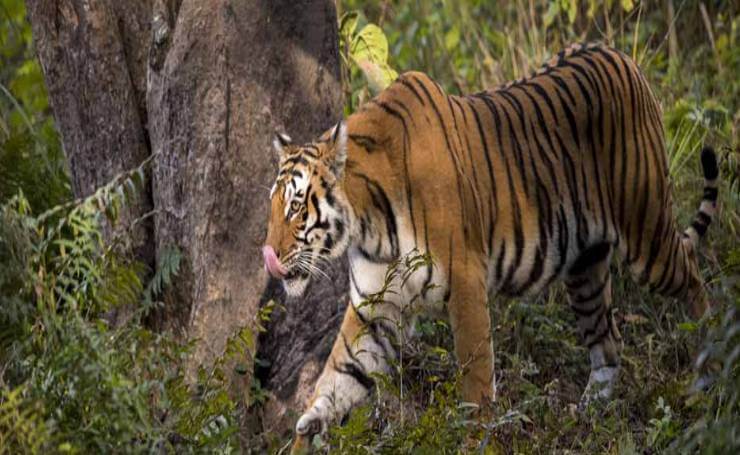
[311, 267]
[316, 270]
[302, 260]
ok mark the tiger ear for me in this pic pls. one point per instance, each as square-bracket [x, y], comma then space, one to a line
[280, 141]
[339, 147]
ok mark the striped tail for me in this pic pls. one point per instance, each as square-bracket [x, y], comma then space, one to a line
[708, 207]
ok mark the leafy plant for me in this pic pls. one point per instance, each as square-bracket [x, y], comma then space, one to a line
[716, 429]
[22, 430]
[662, 428]
[364, 51]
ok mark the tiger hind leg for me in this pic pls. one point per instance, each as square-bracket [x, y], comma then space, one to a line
[669, 265]
[588, 284]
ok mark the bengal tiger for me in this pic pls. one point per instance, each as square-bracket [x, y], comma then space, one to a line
[509, 190]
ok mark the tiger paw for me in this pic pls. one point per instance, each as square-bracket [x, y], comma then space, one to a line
[600, 386]
[309, 425]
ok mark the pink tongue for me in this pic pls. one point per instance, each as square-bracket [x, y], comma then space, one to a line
[272, 263]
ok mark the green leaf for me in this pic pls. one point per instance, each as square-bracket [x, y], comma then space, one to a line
[627, 5]
[248, 338]
[688, 326]
[452, 38]
[571, 9]
[348, 24]
[593, 6]
[552, 12]
[370, 44]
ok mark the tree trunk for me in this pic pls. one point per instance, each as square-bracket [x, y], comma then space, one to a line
[203, 84]
[96, 96]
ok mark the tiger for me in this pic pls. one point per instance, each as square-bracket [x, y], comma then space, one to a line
[508, 190]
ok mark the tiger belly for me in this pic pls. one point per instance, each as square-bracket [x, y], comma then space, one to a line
[544, 259]
[533, 271]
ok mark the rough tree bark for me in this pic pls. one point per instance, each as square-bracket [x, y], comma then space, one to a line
[204, 84]
[95, 96]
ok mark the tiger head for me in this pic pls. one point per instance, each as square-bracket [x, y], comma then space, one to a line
[309, 217]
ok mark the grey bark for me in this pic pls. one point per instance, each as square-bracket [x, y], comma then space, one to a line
[93, 93]
[204, 84]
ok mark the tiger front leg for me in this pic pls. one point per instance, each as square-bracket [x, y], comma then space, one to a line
[359, 351]
[471, 328]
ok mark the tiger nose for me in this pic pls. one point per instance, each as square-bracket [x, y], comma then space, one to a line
[272, 263]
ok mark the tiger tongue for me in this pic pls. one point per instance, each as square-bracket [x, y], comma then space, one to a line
[272, 263]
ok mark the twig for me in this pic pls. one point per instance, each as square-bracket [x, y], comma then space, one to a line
[708, 26]
[672, 37]
[18, 107]
[671, 26]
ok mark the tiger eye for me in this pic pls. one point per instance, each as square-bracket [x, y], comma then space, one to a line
[295, 206]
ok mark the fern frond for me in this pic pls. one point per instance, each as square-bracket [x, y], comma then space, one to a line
[22, 429]
[168, 265]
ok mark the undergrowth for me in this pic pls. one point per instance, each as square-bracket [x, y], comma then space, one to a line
[72, 382]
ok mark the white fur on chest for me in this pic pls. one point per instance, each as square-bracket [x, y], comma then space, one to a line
[420, 294]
